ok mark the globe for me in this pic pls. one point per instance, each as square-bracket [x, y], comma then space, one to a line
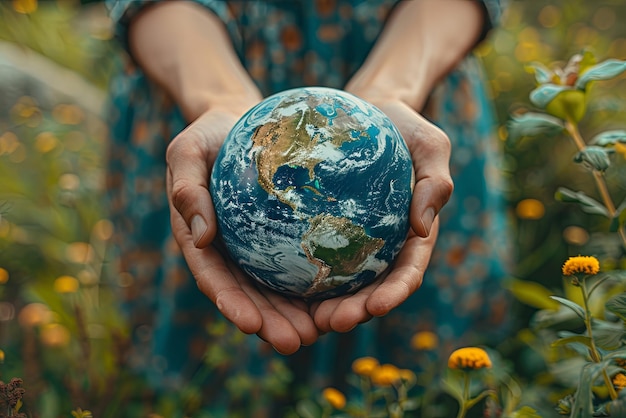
[311, 190]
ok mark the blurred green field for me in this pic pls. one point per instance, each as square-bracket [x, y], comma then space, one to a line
[59, 329]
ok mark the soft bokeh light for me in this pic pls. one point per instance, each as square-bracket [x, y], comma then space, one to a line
[34, 314]
[4, 275]
[530, 209]
[575, 235]
[79, 252]
[66, 284]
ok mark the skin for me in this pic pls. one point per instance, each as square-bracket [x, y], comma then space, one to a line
[421, 43]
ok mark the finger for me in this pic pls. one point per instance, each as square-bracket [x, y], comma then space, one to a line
[216, 281]
[188, 187]
[342, 314]
[190, 157]
[430, 150]
[296, 311]
[276, 329]
[406, 276]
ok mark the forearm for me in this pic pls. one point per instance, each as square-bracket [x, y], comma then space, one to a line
[422, 41]
[185, 49]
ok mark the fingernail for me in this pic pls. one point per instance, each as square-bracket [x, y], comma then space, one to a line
[198, 228]
[428, 218]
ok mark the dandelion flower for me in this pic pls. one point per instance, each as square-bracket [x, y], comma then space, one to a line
[581, 264]
[385, 375]
[425, 340]
[364, 366]
[469, 358]
[334, 397]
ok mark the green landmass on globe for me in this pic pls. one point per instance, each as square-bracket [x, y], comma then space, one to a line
[311, 191]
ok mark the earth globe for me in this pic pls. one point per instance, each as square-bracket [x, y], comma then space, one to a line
[311, 190]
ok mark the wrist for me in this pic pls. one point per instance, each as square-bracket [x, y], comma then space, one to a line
[195, 103]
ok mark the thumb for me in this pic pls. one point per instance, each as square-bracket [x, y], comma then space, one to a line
[188, 186]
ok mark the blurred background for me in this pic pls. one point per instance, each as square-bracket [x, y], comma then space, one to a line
[58, 330]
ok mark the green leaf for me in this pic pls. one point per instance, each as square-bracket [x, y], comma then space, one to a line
[452, 383]
[607, 335]
[602, 71]
[542, 73]
[609, 138]
[525, 412]
[587, 204]
[533, 124]
[583, 404]
[587, 61]
[308, 409]
[578, 310]
[613, 409]
[578, 339]
[617, 305]
[594, 158]
[548, 318]
[616, 354]
[570, 104]
[545, 93]
[532, 294]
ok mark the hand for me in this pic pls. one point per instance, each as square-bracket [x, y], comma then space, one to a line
[283, 322]
[430, 151]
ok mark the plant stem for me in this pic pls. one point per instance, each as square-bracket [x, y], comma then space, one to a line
[572, 129]
[463, 405]
[595, 356]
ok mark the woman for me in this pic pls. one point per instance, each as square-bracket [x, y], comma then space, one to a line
[195, 68]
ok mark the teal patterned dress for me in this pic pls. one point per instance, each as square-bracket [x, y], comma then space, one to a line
[286, 44]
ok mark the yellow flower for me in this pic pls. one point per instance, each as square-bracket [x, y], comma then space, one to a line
[334, 397]
[66, 284]
[581, 264]
[4, 276]
[424, 340]
[385, 375]
[619, 381]
[408, 375]
[364, 366]
[1, 356]
[469, 358]
[25, 6]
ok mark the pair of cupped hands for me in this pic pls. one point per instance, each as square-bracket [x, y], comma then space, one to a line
[287, 323]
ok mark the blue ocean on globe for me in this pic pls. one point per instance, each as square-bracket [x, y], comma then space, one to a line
[311, 190]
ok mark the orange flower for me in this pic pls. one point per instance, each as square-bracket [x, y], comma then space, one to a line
[386, 375]
[424, 340]
[364, 366]
[619, 381]
[469, 358]
[581, 264]
[334, 397]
